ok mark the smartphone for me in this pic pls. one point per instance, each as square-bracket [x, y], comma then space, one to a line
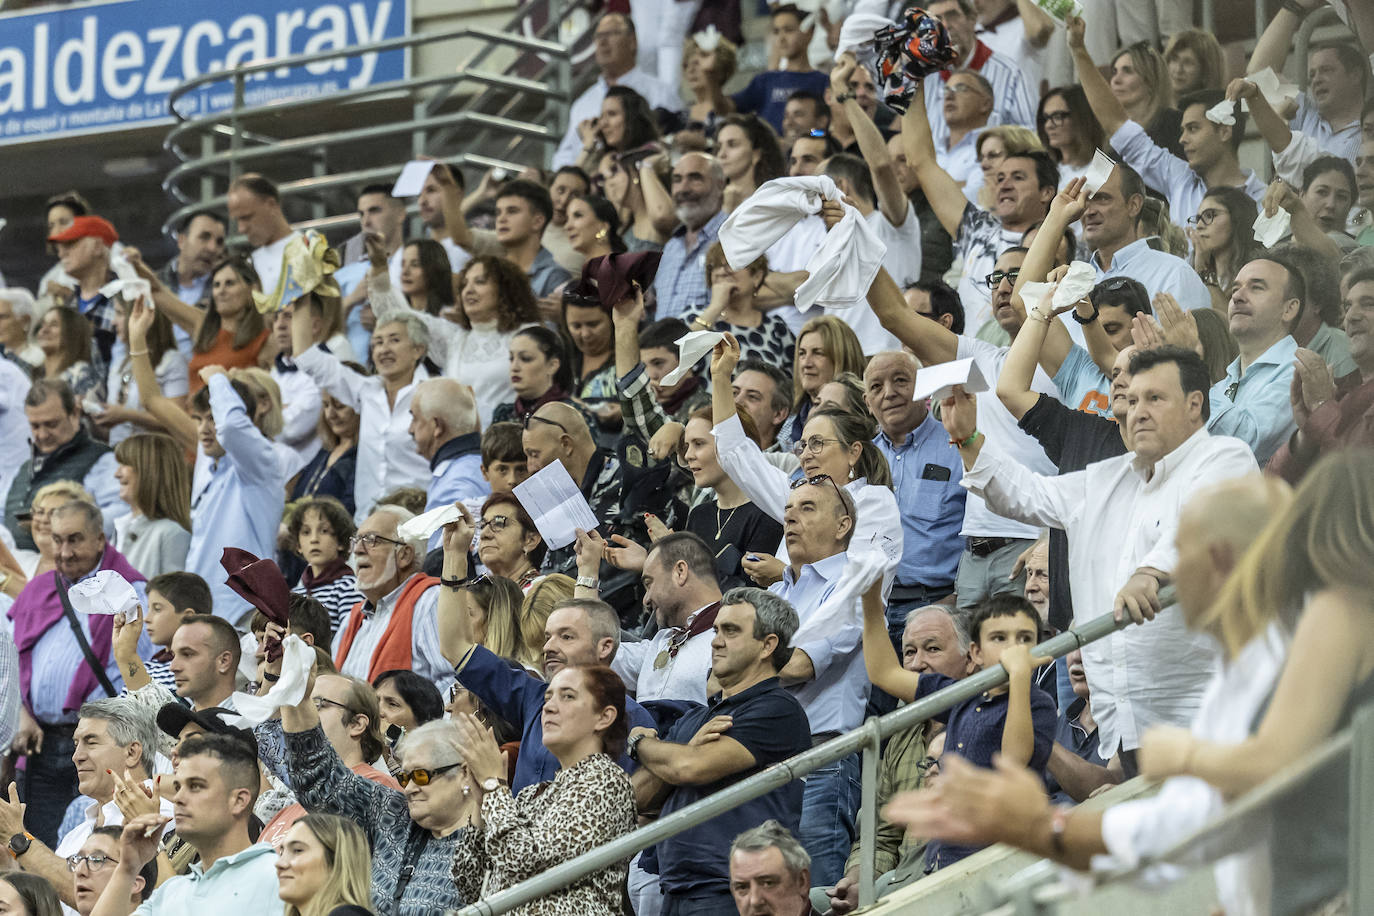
[935, 472]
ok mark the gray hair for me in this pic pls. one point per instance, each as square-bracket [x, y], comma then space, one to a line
[127, 722]
[956, 621]
[94, 520]
[20, 300]
[415, 329]
[773, 616]
[441, 735]
[403, 515]
[602, 619]
[447, 400]
[771, 834]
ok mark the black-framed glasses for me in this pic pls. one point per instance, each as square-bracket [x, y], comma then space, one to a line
[1055, 117]
[422, 776]
[371, 540]
[532, 417]
[819, 480]
[495, 523]
[94, 862]
[994, 279]
[813, 444]
[926, 764]
[321, 702]
[1205, 217]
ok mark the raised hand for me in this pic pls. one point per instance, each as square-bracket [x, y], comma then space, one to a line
[1178, 326]
[626, 554]
[1075, 28]
[376, 248]
[725, 357]
[1071, 200]
[458, 533]
[840, 73]
[140, 322]
[139, 842]
[133, 798]
[1240, 89]
[1280, 195]
[959, 413]
[631, 308]
[1313, 384]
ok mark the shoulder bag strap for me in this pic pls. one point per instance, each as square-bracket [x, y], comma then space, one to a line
[80, 635]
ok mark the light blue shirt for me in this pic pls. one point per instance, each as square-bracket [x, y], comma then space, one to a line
[1343, 141]
[835, 698]
[1082, 385]
[1257, 410]
[359, 338]
[57, 655]
[191, 296]
[236, 500]
[932, 509]
[1158, 272]
[236, 885]
[680, 282]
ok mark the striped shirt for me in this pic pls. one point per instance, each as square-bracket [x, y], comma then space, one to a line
[338, 597]
[1012, 102]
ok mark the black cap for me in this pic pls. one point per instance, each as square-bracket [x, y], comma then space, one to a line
[175, 716]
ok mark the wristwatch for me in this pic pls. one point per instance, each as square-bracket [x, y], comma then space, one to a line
[632, 746]
[591, 582]
[492, 783]
[1091, 318]
[20, 843]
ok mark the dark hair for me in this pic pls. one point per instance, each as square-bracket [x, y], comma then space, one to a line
[184, 226]
[1080, 113]
[851, 428]
[577, 172]
[45, 388]
[374, 189]
[238, 759]
[72, 200]
[763, 139]
[943, 301]
[1243, 247]
[1359, 275]
[149, 870]
[773, 616]
[330, 510]
[200, 401]
[851, 167]
[1323, 164]
[251, 324]
[1351, 58]
[1131, 182]
[1320, 278]
[1296, 287]
[1046, 169]
[513, 293]
[1124, 293]
[75, 337]
[1208, 99]
[502, 442]
[686, 547]
[535, 195]
[1192, 371]
[420, 695]
[223, 636]
[789, 9]
[640, 125]
[37, 894]
[307, 615]
[438, 274]
[522, 518]
[1219, 348]
[665, 332]
[552, 346]
[819, 108]
[1002, 605]
[605, 211]
[832, 146]
[256, 184]
[185, 590]
[607, 689]
[782, 382]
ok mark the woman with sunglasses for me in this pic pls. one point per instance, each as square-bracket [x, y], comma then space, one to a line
[494, 606]
[587, 804]
[761, 335]
[508, 544]
[1223, 240]
[415, 830]
[834, 445]
[592, 332]
[1070, 131]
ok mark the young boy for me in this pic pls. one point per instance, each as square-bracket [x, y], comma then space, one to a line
[503, 457]
[171, 597]
[1016, 720]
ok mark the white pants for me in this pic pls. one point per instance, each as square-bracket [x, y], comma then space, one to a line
[645, 895]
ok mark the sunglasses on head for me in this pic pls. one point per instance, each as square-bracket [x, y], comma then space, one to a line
[817, 481]
[532, 418]
[422, 776]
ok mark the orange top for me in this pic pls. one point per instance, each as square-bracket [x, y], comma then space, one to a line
[224, 354]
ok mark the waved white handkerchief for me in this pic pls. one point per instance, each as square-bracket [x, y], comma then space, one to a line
[691, 347]
[1276, 90]
[127, 282]
[1269, 229]
[938, 381]
[64, 279]
[106, 592]
[1223, 112]
[298, 657]
[248, 656]
[1032, 294]
[842, 609]
[422, 526]
[857, 31]
[1075, 285]
[708, 39]
[1098, 172]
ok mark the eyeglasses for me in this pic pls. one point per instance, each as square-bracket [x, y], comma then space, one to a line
[961, 88]
[1204, 217]
[370, 541]
[817, 481]
[814, 444]
[423, 777]
[994, 279]
[321, 702]
[926, 764]
[94, 862]
[533, 418]
[1055, 117]
[495, 523]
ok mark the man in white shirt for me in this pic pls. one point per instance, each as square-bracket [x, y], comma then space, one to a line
[1014, 98]
[1120, 515]
[255, 207]
[1020, 31]
[615, 46]
[300, 396]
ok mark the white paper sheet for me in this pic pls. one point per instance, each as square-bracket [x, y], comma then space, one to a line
[298, 658]
[691, 347]
[556, 505]
[412, 178]
[1061, 10]
[1098, 172]
[422, 526]
[1276, 90]
[1269, 229]
[1223, 113]
[938, 381]
[106, 592]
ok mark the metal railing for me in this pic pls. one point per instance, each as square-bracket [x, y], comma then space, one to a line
[867, 738]
[525, 105]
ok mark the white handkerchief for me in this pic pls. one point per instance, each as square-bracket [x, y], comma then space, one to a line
[691, 347]
[65, 280]
[297, 659]
[938, 381]
[556, 505]
[708, 39]
[1269, 229]
[412, 178]
[1223, 112]
[1032, 294]
[127, 281]
[422, 526]
[1075, 285]
[248, 656]
[3, 222]
[106, 592]
[1276, 90]
[857, 31]
[842, 608]
[1098, 172]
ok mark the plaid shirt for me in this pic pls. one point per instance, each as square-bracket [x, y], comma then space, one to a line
[898, 771]
[680, 283]
[642, 413]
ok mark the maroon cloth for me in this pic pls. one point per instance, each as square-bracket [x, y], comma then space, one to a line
[725, 15]
[611, 278]
[1345, 422]
[331, 573]
[261, 584]
[524, 408]
[39, 607]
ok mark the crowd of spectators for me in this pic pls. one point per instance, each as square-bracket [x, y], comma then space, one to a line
[307, 701]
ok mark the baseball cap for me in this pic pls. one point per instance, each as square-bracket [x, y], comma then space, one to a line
[87, 226]
[175, 716]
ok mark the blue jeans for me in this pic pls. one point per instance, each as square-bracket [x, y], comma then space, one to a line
[830, 802]
[982, 577]
[49, 784]
[710, 905]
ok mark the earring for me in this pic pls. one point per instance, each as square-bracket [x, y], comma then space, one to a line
[601, 236]
[467, 790]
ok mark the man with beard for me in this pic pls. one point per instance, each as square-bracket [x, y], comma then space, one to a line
[698, 188]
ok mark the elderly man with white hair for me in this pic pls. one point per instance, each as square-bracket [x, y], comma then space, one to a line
[447, 434]
[698, 189]
[394, 625]
[16, 321]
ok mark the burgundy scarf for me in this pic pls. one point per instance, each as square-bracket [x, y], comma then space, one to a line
[332, 573]
[524, 408]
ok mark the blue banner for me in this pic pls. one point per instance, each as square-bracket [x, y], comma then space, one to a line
[91, 67]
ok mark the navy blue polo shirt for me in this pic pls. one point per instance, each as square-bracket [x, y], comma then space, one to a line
[1078, 741]
[974, 732]
[771, 724]
[517, 697]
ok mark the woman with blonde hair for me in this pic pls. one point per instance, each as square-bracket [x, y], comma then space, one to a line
[546, 594]
[494, 607]
[1195, 61]
[45, 500]
[155, 482]
[826, 347]
[325, 868]
[993, 145]
[1139, 79]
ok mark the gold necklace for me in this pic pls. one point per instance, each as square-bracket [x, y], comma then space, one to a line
[720, 526]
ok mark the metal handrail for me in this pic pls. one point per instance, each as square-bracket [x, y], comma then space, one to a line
[866, 738]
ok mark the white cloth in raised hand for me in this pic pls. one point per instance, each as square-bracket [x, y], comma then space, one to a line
[856, 32]
[1276, 90]
[127, 282]
[691, 347]
[422, 526]
[865, 566]
[1223, 113]
[841, 270]
[298, 658]
[106, 592]
[1269, 229]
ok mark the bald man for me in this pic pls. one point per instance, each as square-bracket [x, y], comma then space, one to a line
[556, 432]
[444, 425]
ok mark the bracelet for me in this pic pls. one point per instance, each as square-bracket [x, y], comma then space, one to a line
[455, 584]
[270, 678]
[698, 323]
[967, 442]
[1296, 8]
[143, 352]
[591, 582]
[1036, 313]
[1090, 319]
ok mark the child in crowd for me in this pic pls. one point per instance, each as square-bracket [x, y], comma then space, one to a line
[319, 531]
[171, 598]
[503, 457]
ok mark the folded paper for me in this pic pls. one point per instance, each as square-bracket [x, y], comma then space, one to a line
[556, 505]
[1098, 172]
[106, 592]
[298, 658]
[422, 526]
[1223, 113]
[938, 382]
[411, 181]
[1276, 90]
[1269, 229]
[691, 347]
